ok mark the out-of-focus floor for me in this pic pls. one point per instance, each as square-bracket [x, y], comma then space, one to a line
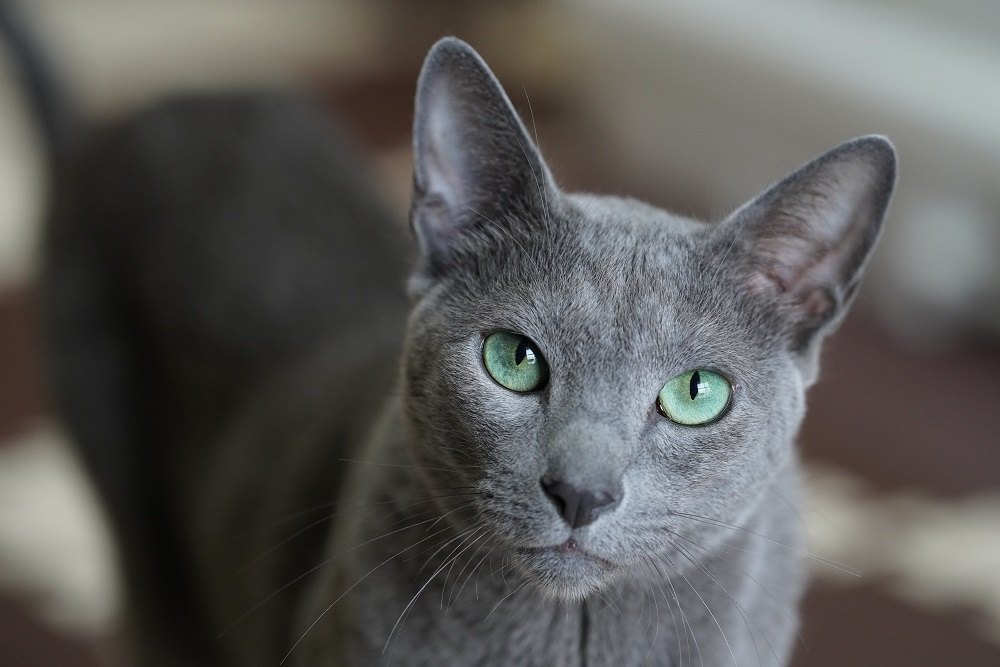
[902, 449]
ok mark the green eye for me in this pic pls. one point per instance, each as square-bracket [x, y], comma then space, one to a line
[695, 398]
[514, 361]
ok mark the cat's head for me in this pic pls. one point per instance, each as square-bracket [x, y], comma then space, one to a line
[596, 368]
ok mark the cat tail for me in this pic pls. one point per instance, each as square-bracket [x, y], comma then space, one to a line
[49, 100]
[95, 381]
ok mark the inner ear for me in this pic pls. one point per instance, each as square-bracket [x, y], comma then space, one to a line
[474, 162]
[806, 240]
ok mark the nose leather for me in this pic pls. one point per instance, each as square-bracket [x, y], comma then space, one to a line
[579, 507]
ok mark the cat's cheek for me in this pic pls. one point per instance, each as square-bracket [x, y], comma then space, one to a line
[519, 515]
[501, 428]
[719, 466]
[784, 418]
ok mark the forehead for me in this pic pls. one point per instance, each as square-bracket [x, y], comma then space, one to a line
[622, 280]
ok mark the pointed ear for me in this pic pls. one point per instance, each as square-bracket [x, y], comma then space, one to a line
[806, 240]
[474, 163]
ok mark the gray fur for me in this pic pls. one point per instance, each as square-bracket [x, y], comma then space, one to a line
[444, 549]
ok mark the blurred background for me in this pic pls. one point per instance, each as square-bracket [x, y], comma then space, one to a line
[691, 105]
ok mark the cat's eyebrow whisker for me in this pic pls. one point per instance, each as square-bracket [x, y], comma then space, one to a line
[729, 248]
[799, 552]
[501, 229]
[543, 196]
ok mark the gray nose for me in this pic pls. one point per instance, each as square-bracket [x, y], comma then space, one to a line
[579, 507]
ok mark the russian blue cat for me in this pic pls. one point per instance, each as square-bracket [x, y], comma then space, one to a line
[573, 444]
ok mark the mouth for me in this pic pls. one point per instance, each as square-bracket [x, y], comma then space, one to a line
[566, 570]
[568, 550]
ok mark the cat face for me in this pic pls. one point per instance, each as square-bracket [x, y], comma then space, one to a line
[597, 369]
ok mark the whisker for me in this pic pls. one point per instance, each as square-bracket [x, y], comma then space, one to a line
[739, 607]
[440, 549]
[327, 505]
[334, 515]
[500, 228]
[285, 541]
[690, 634]
[819, 559]
[395, 465]
[475, 570]
[290, 517]
[779, 606]
[504, 598]
[466, 535]
[318, 566]
[609, 603]
[545, 200]
[736, 237]
[458, 577]
[707, 608]
[673, 617]
[352, 586]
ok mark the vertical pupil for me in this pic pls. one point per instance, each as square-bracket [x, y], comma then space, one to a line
[695, 381]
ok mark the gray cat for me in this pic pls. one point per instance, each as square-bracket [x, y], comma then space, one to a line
[584, 457]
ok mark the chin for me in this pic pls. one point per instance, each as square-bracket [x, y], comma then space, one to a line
[565, 572]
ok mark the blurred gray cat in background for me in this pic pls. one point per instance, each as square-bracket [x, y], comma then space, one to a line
[571, 444]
